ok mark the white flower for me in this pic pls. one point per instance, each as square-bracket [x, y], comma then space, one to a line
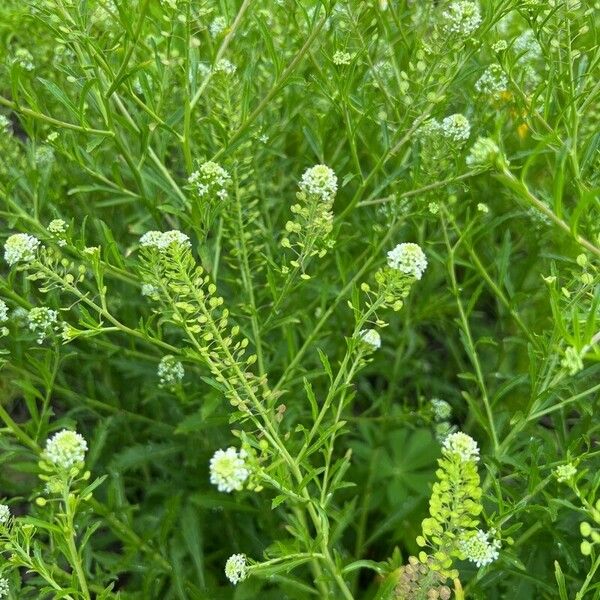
[441, 409]
[4, 514]
[4, 589]
[57, 226]
[20, 247]
[462, 444]
[4, 124]
[479, 549]
[461, 18]
[236, 569]
[564, 473]
[3, 312]
[408, 258]
[217, 26]
[24, 59]
[224, 66]
[319, 181]
[161, 241]
[149, 290]
[228, 470]
[210, 180]
[456, 127]
[41, 321]
[371, 337]
[492, 82]
[65, 449]
[342, 58]
[527, 47]
[170, 371]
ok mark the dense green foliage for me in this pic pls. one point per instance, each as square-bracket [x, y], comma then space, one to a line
[460, 137]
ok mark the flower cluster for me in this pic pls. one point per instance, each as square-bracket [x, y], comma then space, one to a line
[341, 58]
[228, 470]
[371, 338]
[461, 18]
[320, 181]
[462, 444]
[210, 181]
[309, 235]
[4, 587]
[65, 449]
[565, 473]
[20, 247]
[4, 124]
[217, 26]
[170, 371]
[479, 548]
[161, 241]
[442, 410]
[224, 67]
[408, 258]
[3, 312]
[4, 514]
[493, 81]
[42, 321]
[572, 361]
[236, 569]
[456, 128]
[420, 580]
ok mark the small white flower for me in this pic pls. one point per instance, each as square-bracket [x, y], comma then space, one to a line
[170, 371]
[483, 153]
[20, 247]
[4, 514]
[3, 312]
[564, 473]
[456, 127]
[236, 569]
[224, 66]
[479, 549]
[461, 18]
[228, 470]
[161, 241]
[371, 337]
[217, 26]
[492, 82]
[42, 321]
[57, 226]
[4, 124]
[4, 588]
[210, 180]
[408, 258]
[65, 449]
[320, 181]
[462, 444]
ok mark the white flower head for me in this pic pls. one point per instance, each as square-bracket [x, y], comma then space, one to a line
[479, 549]
[565, 473]
[170, 371]
[228, 470]
[57, 226]
[456, 128]
[461, 18]
[4, 124]
[320, 181]
[224, 66]
[20, 247]
[163, 240]
[3, 312]
[462, 444]
[217, 26]
[149, 290]
[65, 449]
[41, 321]
[210, 181]
[492, 82]
[408, 258]
[4, 514]
[4, 588]
[371, 337]
[236, 569]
